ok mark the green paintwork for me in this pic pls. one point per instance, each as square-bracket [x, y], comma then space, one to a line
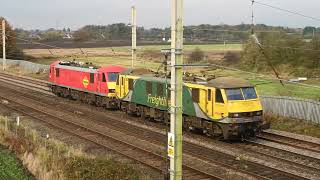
[140, 95]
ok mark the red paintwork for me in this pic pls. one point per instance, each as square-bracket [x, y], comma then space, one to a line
[73, 77]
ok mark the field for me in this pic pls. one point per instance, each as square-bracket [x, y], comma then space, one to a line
[151, 57]
[10, 167]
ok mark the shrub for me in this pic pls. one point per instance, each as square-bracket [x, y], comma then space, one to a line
[196, 55]
[87, 168]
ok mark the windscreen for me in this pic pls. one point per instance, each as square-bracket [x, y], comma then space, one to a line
[249, 93]
[112, 76]
[241, 94]
[234, 94]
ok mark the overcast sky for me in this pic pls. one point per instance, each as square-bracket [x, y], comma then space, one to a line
[43, 14]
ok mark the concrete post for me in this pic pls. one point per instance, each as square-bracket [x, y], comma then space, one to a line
[176, 88]
[4, 45]
[134, 34]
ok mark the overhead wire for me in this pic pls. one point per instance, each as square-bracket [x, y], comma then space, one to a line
[286, 10]
[265, 76]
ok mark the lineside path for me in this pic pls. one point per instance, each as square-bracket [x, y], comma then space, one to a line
[205, 155]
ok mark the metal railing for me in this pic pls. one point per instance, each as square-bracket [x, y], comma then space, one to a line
[305, 109]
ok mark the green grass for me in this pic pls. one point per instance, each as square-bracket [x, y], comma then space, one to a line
[274, 87]
[10, 167]
[207, 47]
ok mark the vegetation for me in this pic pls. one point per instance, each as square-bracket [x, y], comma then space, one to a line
[291, 55]
[12, 51]
[199, 33]
[11, 167]
[98, 168]
[52, 159]
[196, 55]
[293, 125]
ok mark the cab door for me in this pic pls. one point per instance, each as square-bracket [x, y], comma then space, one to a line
[102, 83]
[220, 107]
[122, 86]
[210, 98]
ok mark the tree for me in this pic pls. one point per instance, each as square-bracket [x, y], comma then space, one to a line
[81, 36]
[309, 31]
[196, 55]
[12, 51]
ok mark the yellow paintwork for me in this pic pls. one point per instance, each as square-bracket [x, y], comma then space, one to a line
[212, 109]
[111, 85]
[218, 111]
[122, 89]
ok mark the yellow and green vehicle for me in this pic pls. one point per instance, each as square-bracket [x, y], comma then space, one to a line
[226, 107]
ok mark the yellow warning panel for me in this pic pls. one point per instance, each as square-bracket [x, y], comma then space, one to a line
[171, 152]
[85, 82]
[171, 145]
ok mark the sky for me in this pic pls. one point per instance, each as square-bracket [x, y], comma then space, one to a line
[44, 14]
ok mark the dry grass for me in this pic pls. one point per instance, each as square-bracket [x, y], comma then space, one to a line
[52, 159]
[294, 125]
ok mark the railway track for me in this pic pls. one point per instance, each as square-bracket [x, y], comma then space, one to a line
[290, 141]
[22, 81]
[211, 156]
[144, 156]
[299, 160]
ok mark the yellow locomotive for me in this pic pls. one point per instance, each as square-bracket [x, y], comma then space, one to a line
[226, 107]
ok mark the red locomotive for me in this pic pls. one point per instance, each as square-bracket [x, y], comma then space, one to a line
[85, 82]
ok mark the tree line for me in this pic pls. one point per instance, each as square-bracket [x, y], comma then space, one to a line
[122, 31]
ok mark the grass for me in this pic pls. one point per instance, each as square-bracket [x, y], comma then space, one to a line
[294, 126]
[11, 167]
[55, 160]
[207, 47]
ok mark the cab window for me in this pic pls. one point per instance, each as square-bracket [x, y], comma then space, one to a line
[234, 94]
[219, 98]
[104, 78]
[112, 76]
[209, 94]
[249, 93]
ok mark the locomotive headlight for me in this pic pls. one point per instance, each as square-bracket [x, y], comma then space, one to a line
[258, 113]
[234, 115]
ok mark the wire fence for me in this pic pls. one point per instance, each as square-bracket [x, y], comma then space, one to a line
[290, 107]
[26, 65]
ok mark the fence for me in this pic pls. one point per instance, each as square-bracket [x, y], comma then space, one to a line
[26, 65]
[308, 110]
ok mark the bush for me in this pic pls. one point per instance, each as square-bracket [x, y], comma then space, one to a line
[196, 55]
[87, 168]
[232, 57]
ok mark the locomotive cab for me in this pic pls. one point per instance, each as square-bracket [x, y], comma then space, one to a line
[107, 77]
[237, 107]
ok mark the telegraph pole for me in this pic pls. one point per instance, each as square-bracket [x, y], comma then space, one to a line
[3, 45]
[134, 34]
[175, 135]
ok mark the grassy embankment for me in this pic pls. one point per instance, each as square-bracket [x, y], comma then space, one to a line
[294, 126]
[11, 167]
[52, 159]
